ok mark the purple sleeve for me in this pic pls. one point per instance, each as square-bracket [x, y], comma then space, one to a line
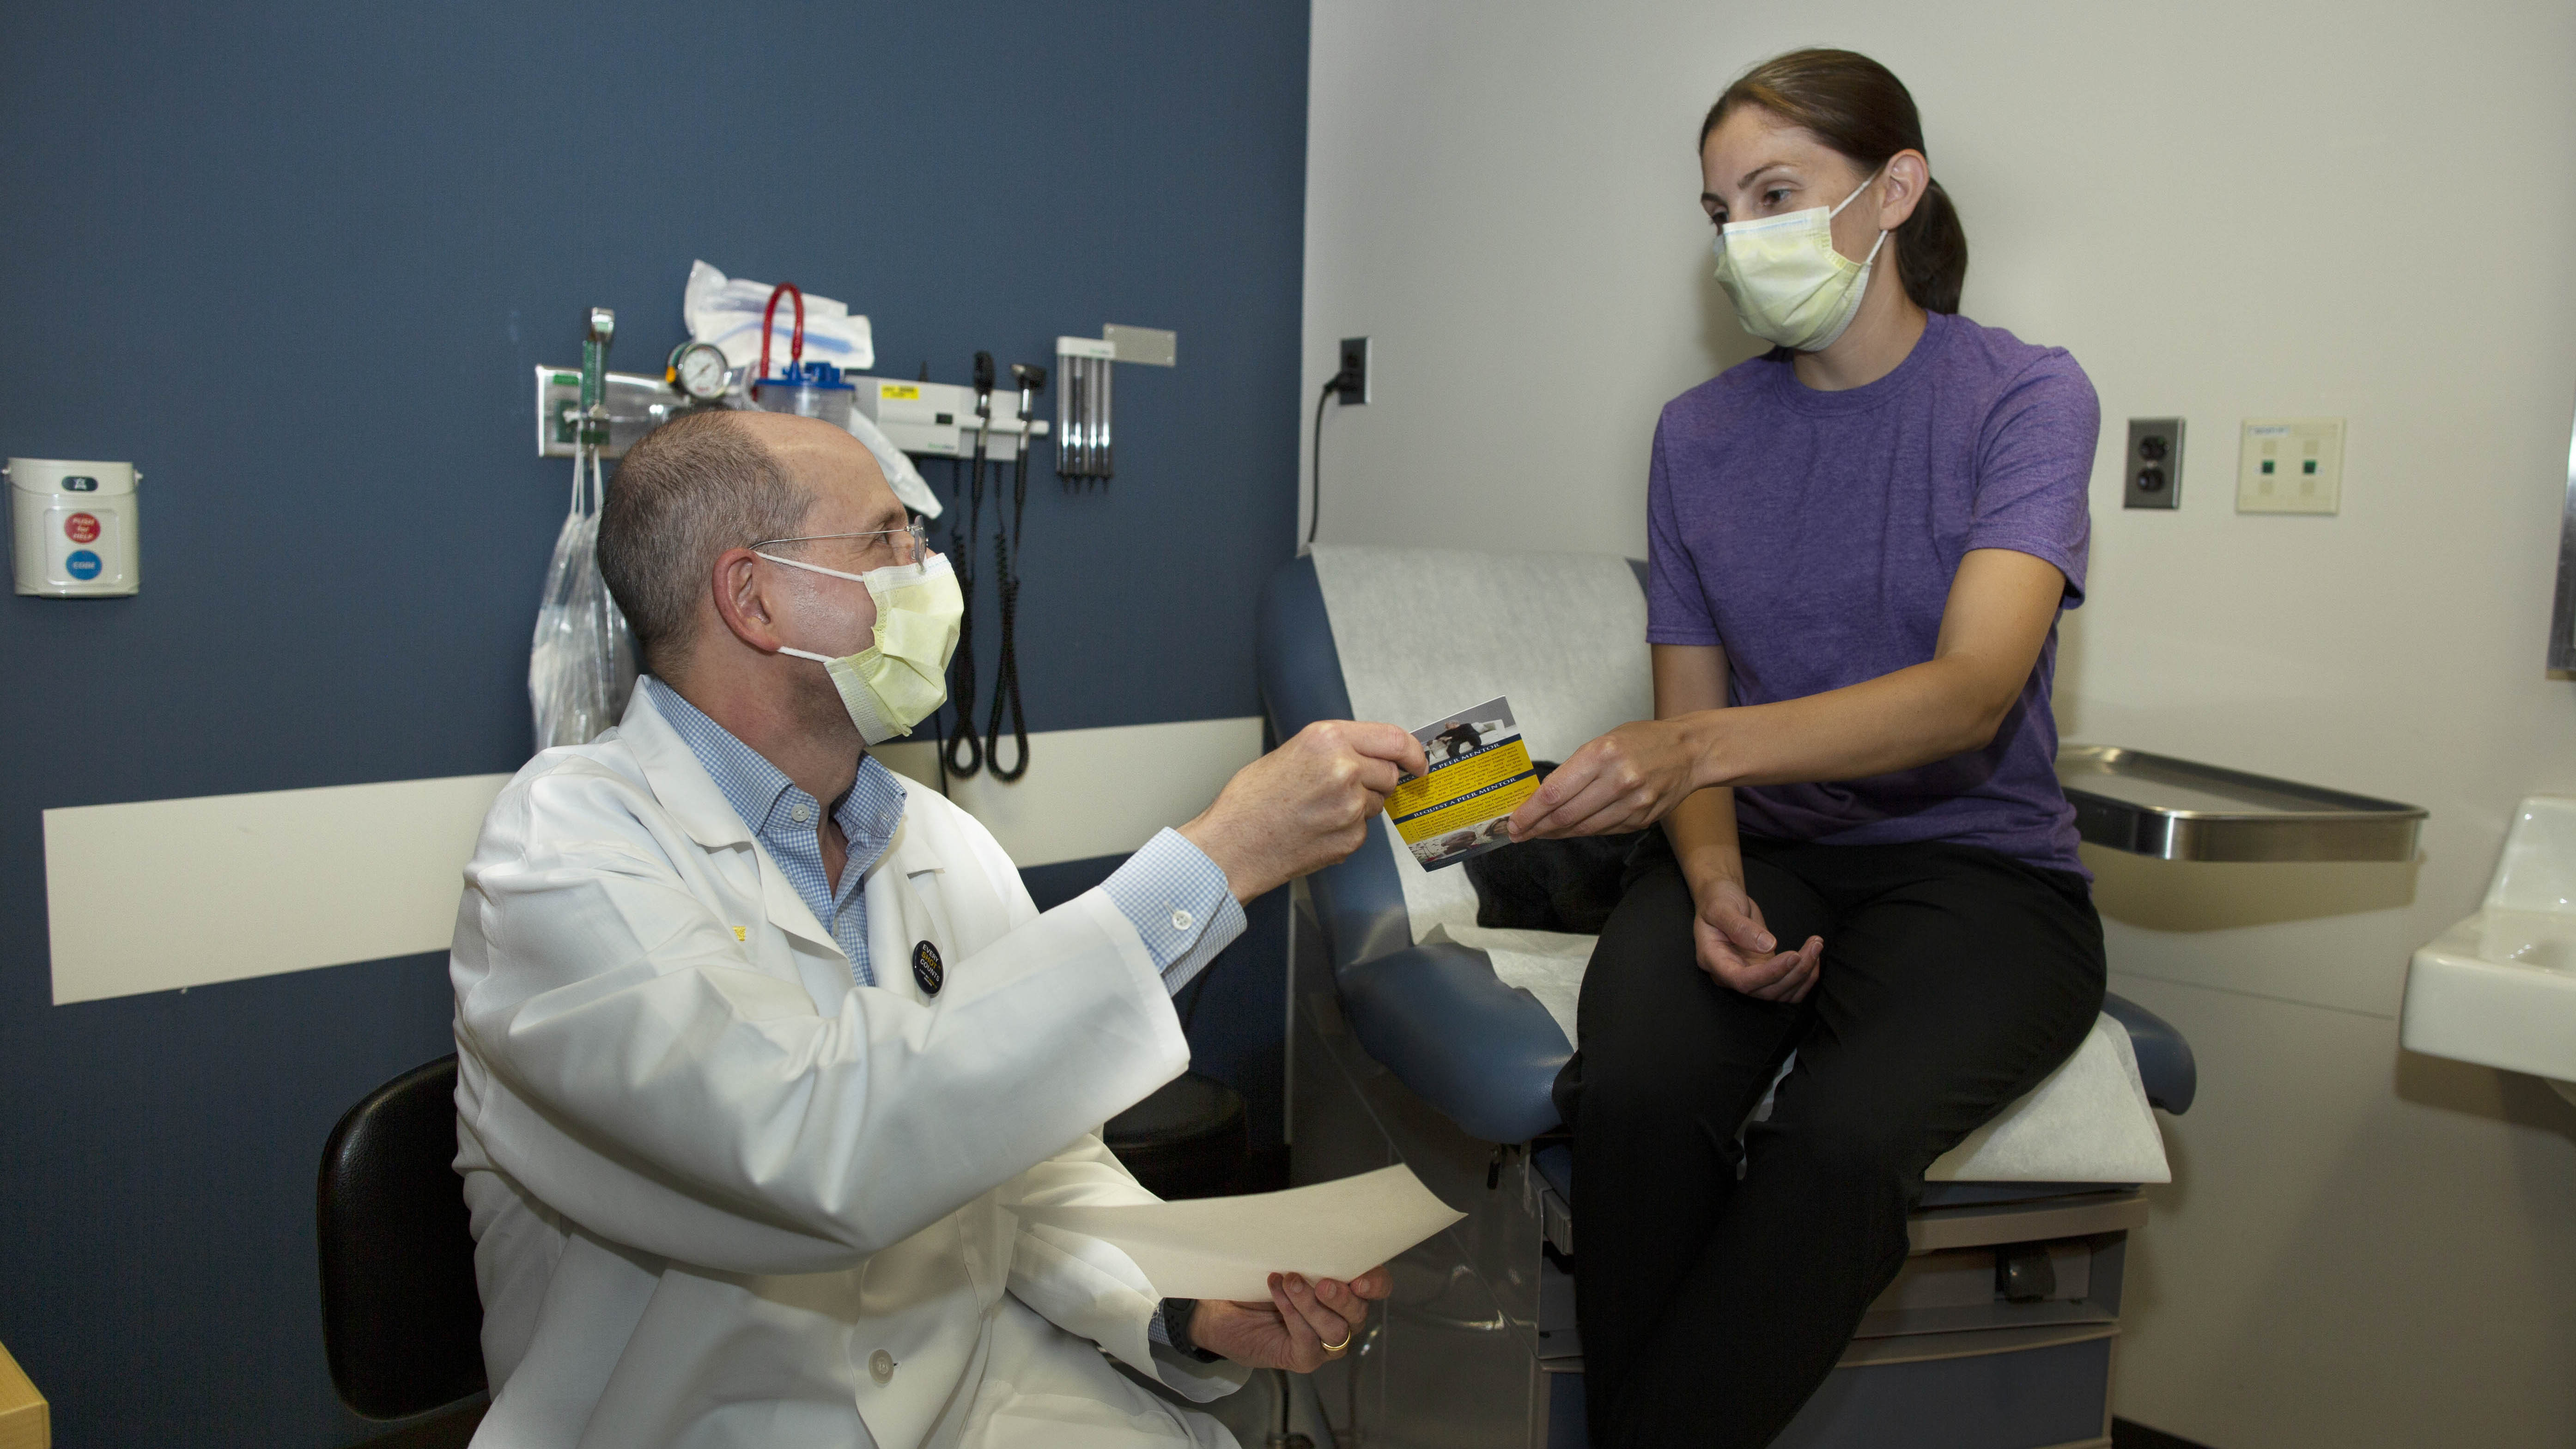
[1676, 605]
[2035, 469]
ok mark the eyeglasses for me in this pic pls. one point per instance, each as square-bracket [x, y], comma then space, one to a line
[881, 548]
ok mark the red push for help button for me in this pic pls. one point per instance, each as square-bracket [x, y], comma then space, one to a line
[81, 528]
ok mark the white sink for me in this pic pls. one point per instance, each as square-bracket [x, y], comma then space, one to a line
[2499, 988]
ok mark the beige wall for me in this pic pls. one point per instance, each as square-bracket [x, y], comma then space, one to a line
[2224, 211]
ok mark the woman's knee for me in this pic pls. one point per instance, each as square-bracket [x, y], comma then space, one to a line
[1619, 1092]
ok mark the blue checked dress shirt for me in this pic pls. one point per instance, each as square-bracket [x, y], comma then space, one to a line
[1175, 897]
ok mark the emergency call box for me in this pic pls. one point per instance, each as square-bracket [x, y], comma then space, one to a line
[72, 527]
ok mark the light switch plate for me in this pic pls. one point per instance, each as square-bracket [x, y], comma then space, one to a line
[2290, 465]
[2154, 478]
[1152, 346]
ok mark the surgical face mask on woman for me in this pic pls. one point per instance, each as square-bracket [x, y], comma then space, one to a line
[1788, 284]
[896, 681]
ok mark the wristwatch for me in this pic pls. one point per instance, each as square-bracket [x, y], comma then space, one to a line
[1177, 1313]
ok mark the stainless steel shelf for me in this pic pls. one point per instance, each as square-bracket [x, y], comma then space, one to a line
[2177, 810]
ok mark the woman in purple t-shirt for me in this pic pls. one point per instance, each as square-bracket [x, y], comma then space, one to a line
[1859, 547]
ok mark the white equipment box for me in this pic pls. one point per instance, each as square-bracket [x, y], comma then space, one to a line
[937, 419]
[72, 527]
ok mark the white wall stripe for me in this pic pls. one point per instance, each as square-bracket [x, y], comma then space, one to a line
[155, 895]
[1098, 791]
[159, 894]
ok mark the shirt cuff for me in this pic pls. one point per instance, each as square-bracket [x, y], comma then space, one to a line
[1179, 903]
[1170, 1328]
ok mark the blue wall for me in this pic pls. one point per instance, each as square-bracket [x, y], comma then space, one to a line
[297, 262]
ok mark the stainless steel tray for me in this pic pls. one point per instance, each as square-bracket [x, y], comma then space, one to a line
[2177, 810]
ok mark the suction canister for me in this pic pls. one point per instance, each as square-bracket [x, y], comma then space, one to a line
[809, 390]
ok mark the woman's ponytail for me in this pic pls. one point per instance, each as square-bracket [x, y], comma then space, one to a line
[1932, 252]
[1859, 108]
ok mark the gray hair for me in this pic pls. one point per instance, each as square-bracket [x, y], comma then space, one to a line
[692, 488]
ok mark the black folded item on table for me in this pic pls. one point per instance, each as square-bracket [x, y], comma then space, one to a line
[1551, 885]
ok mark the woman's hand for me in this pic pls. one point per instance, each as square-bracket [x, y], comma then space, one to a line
[1626, 780]
[1739, 951]
[1302, 1327]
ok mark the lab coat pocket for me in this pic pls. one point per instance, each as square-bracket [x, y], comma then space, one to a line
[1046, 1389]
[1073, 1421]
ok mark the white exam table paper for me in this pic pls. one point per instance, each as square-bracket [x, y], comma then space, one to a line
[1227, 1247]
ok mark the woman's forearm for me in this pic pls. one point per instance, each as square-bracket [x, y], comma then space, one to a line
[1897, 721]
[2002, 605]
[1691, 681]
[1702, 830]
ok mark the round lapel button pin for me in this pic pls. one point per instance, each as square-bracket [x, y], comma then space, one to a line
[926, 969]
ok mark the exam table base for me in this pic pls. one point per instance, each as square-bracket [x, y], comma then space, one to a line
[1478, 1347]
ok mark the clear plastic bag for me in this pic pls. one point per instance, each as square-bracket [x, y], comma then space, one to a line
[581, 665]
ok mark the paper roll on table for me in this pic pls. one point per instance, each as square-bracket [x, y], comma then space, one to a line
[1227, 1247]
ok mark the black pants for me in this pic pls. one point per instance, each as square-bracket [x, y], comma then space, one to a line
[1712, 1304]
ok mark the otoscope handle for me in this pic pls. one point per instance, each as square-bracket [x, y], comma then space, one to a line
[1032, 380]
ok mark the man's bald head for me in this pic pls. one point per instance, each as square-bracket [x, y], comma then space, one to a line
[697, 486]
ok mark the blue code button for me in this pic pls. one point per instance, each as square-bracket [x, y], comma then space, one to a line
[82, 564]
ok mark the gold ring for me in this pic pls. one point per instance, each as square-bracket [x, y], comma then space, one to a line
[1345, 1343]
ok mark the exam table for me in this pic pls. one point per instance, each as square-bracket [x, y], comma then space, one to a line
[1407, 1045]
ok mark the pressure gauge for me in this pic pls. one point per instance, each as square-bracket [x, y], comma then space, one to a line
[698, 369]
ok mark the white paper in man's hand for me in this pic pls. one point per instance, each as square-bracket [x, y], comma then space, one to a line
[1227, 1247]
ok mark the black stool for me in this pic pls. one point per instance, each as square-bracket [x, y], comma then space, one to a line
[1189, 1139]
[402, 1321]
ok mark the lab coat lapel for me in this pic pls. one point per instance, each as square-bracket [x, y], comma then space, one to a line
[679, 782]
[787, 910]
[902, 914]
[684, 788]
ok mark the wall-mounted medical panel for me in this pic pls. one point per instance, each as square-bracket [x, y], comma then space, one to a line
[937, 419]
[636, 405]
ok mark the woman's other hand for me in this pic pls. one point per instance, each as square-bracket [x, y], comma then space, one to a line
[1739, 952]
[1626, 780]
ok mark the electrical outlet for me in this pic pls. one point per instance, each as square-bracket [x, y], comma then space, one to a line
[2290, 465]
[2154, 479]
[1355, 371]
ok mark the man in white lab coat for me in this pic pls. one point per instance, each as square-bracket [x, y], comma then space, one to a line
[759, 1044]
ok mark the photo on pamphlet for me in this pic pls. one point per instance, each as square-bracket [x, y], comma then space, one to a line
[1480, 772]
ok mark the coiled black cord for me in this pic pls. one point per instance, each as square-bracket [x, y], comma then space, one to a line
[1006, 665]
[1315, 511]
[961, 687]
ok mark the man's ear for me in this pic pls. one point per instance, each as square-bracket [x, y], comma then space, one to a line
[741, 599]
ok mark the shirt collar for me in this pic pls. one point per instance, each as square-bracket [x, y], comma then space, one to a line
[870, 814]
[763, 795]
[750, 784]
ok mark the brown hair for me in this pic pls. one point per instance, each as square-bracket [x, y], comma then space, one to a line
[687, 491]
[1859, 108]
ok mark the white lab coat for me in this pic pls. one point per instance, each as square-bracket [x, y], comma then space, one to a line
[724, 1197]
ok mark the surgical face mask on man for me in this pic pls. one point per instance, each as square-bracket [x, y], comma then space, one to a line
[1788, 283]
[897, 681]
